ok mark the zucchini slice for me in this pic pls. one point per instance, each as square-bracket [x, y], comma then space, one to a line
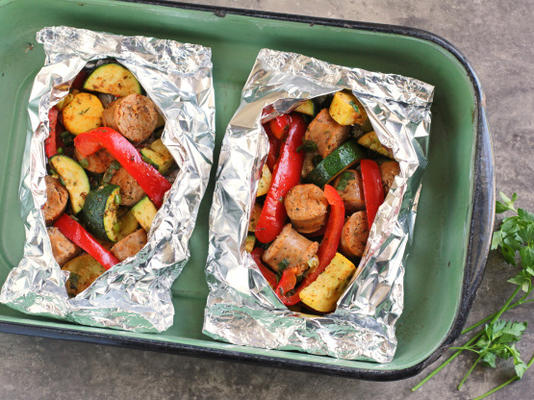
[250, 241]
[158, 155]
[100, 212]
[84, 112]
[73, 178]
[307, 108]
[322, 294]
[83, 270]
[336, 162]
[144, 211]
[113, 79]
[127, 224]
[370, 140]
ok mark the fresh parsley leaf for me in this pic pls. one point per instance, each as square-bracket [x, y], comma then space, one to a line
[283, 264]
[522, 280]
[355, 106]
[344, 179]
[308, 146]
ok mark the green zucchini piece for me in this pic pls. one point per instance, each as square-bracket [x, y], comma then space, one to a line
[144, 211]
[127, 224]
[113, 79]
[74, 178]
[370, 140]
[158, 155]
[336, 162]
[100, 212]
[83, 270]
[307, 108]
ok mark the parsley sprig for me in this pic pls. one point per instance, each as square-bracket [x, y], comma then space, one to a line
[496, 340]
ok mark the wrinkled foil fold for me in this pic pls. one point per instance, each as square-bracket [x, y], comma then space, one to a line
[241, 307]
[135, 294]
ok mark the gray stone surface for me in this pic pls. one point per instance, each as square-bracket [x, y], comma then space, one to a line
[497, 38]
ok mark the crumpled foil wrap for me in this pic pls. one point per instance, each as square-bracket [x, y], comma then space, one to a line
[241, 307]
[135, 294]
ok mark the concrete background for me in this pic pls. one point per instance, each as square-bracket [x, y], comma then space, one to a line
[497, 38]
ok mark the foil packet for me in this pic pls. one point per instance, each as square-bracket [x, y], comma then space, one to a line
[135, 294]
[241, 307]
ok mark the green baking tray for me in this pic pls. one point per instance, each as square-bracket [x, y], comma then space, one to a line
[456, 209]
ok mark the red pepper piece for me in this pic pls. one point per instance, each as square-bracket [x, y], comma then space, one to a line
[274, 148]
[286, 174]
[329, 244]
[83, 239]
[266, 272]
[78, 82]
[153, 183]
[288, 281]
[51, 140]
[373, 192]
[280, 126]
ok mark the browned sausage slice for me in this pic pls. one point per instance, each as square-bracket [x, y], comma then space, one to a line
[389, 170]
[62, 248]
[290, 249]
[326, 133]
[98, 162]
[354, 235]
[349, 186]
[131, 192]
[56, 199]
[134, 116]
[307, 207]
[129, 245]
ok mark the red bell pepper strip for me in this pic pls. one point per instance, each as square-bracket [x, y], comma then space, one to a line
[286, 175]
[329, 244]
[266, 272]
[280, 125]
[274, 148]
[153, 183]
[288, 281]
[51, 140]
[373, 191]
[83, 239]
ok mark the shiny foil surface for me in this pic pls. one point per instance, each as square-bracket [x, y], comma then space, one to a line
[135, 294]
[241, 307]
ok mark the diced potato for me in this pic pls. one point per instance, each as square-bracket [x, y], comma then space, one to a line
[250, 241]
[323, 294]
[265, 181]
[83, 113]
[345, 109]
[370, 140]
[83, 270]
[254, 216]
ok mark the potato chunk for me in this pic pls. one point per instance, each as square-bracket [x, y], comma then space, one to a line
[265, 181]
[345, 109]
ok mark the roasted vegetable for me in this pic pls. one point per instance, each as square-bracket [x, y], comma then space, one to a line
[158, 155]
[307, 108]
[250, 241]
[100, 212]
[323, 293]
[83, 113]
[345, 109]
[144, 212]
[370, 140]
[83, 270]
[73, 178]
[265, 181]
[113, 79]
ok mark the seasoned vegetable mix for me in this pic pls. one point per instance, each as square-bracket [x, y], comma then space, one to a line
[324, 179]
[107, 173]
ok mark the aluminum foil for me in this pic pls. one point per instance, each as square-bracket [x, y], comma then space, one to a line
[135, 294]
[241, 307]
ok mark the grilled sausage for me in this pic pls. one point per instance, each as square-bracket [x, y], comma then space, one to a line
[350, 188]
[389, 170]
[134, 116]
[129, 245]
[97, 162]
[354, 235]
[307, 207]
[290, 249]
[62, 248]
[326, 133]
[56, 199]
[254, 217]
[131, 192]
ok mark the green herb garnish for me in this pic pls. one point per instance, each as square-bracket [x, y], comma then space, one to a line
[282, 265]
[355, 106]
[344, 180]
[307, 146]
[114, 166]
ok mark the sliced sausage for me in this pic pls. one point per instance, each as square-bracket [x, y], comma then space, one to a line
[354, 235]
[62, 248]
[307, 207]
[326, 133]
[97, 162]
[131, 192]
[56, 199]
[389, 170]
[254, 217]
[290, 249]
[135, 116]
[129, 245]
[350, 189]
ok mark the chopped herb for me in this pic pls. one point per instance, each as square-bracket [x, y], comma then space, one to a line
[66, 137]
[344, 180]
[355, 106]
[282, 265]
[114, 166]
[60, 150]
[307, 146]
[84, 111]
